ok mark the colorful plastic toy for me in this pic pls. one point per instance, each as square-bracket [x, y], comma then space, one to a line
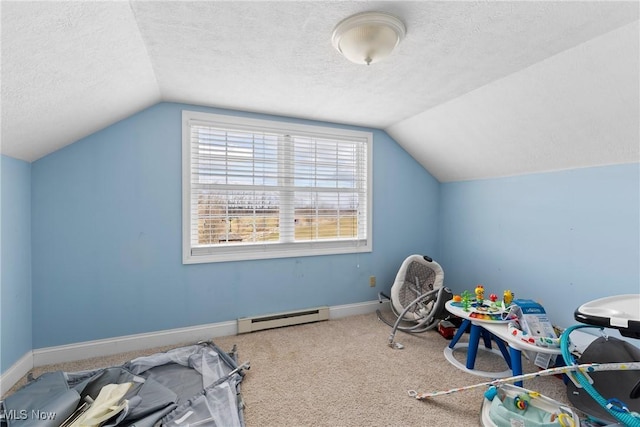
[507, 297]
[479, 294]
[521, 401]
[466, 300]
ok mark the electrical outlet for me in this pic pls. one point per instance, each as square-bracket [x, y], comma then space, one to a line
[372, 281]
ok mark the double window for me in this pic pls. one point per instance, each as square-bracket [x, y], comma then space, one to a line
[265, 189]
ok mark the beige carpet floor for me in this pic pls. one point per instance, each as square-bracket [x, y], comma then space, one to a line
[342, 373]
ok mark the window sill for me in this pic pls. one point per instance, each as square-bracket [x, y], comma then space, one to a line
[270, 251]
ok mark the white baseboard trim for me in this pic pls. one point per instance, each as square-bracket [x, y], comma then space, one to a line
[106, 347]
[16, 372]
[338, 311]
[123, 344]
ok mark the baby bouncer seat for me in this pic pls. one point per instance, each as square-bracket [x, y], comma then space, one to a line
[418, 297]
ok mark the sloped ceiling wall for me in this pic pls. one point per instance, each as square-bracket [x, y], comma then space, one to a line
[575, 109]
[476, 89]
[68, 70]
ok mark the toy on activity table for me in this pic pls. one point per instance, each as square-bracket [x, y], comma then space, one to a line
[479, 295]
[466, 300]
[495, 304]
[531, 325]
[507, 297]
[480, 308]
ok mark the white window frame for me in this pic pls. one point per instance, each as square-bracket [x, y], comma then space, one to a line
[272, 249]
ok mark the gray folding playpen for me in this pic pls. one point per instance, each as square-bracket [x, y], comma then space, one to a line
[197, 385]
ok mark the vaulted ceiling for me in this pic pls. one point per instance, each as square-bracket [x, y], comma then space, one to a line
[475, 90]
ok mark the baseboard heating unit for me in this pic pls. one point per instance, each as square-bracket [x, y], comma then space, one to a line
[278, 320]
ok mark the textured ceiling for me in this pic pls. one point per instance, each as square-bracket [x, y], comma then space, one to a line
[471, 92]
[576, 109]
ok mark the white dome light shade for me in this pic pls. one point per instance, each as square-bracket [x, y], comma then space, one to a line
[368, 37]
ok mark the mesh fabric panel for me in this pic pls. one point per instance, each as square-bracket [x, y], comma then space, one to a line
[418, 280]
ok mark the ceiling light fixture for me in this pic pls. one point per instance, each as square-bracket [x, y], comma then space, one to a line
[368, 37]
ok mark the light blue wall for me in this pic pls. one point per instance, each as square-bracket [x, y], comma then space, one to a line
[561, 238]
[15, 261]
[107, 239]
[106, 245]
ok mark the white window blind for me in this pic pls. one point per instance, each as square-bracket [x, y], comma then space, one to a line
[261, 189]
